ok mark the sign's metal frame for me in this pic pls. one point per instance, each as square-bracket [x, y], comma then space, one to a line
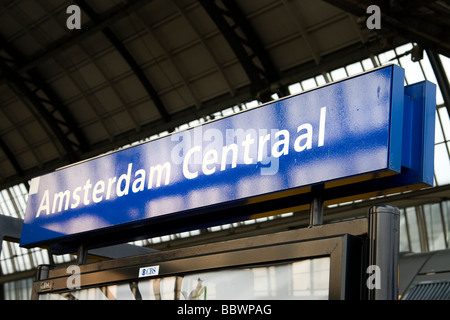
[352, 246]
[342, 242]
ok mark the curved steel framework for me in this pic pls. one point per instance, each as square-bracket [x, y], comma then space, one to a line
[246, 45]
[45, 101]
[126, 55]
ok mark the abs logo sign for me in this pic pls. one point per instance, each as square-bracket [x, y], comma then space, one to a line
[148, 271]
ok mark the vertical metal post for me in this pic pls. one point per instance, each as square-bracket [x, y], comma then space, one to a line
[384, 224]
[316, 210]
[2, 287]
[82, 254]
[42, 272]
[1, 243]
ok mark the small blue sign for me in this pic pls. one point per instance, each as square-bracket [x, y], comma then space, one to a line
[334, 135]
[148, 271]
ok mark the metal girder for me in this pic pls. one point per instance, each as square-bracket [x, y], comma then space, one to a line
[52, 122]
[246, 49]
[35, 78]
[126, 55]
[71, 39]
[252, 39]
[57, 117]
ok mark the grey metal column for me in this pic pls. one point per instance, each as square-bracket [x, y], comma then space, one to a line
[82, 254]
[42, 272]
[384, 224]
[316, 210]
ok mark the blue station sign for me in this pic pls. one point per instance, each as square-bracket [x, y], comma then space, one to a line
[340, 136]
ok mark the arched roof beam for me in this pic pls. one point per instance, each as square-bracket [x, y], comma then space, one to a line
[65, 119]
[60, 61]
[126, 55]
[169, 57]
[252, 39]
[52, 122]
[260, 76]
[294, 13]
[202, 39]
[57, 118]
[73, 38]
[6, 150]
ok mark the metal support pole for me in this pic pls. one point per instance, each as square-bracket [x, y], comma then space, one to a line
[316, 210]
[384, 224]
[42, 272]
[2, 287]
[82, 254]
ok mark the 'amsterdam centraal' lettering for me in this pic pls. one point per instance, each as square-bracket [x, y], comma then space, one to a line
[136, 180]
[131, 181]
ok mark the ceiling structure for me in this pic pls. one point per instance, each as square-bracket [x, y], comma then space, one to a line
[137, 68]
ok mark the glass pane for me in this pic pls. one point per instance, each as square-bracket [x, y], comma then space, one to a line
[386, 56]
[446, 214]
[413, 229]
[18, 290]
[305, 279]
[320, 80]
[413, 71]
[445, 64]
[443, 114]
[354, 68]
[367, 64]
[441, 164]
[338, 74]
[403, 48]
[427, 68]
[434, 224]
[309, 84]
[5, 260]
[404, 243]
[295, 88]
[430, 76]
[438, 134]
